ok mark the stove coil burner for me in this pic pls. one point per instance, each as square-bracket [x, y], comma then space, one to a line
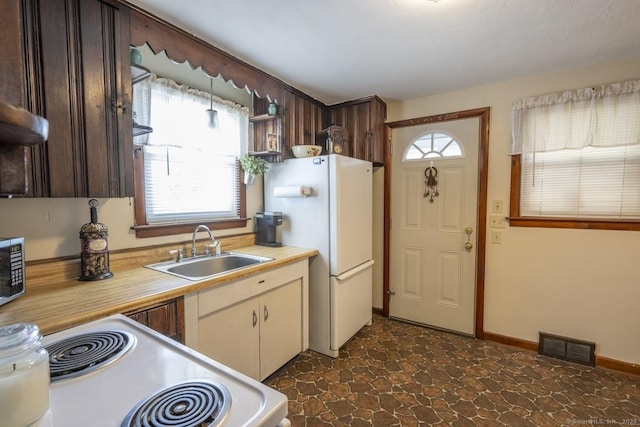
[81, 354]
[188, 404]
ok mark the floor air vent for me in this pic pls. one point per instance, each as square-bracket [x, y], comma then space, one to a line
[567, 349]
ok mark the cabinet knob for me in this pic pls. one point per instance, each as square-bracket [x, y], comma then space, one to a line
[266, 313]
[255, 319]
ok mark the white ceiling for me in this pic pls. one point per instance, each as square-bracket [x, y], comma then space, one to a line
[338, 50]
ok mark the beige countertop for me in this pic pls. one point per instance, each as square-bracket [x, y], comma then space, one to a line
[55, 303]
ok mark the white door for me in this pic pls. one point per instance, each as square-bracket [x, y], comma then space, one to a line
[432, 273]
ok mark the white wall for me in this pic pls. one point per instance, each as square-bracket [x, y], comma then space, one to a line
[51, 226]
[578, 283]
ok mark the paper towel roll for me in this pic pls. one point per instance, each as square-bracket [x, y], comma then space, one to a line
[292, 191]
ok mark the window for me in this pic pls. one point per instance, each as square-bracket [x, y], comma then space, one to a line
[433, 145]
[187, 172]
[576, 159]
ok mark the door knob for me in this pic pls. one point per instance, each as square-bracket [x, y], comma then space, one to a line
[468, 245]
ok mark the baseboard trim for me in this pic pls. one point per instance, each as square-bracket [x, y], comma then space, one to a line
[605, 362]
[514, 342]
[617, 365]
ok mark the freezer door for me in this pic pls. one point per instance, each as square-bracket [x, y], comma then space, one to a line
[351, 302]
[350, 212]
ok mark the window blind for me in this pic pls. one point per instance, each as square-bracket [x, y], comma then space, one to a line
[593, 182]
[580, 152]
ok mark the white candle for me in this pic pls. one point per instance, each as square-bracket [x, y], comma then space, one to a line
[24, 393]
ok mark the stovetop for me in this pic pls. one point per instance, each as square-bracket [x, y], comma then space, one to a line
[108, 394]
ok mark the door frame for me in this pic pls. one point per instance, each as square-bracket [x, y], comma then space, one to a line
[483, 163]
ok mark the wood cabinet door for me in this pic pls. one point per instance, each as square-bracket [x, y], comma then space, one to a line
[84, 69]
[166, 318]
[106, 99]
[231, 337]
[364, 120]
[280, 327]
[376, 139]
[13, 171]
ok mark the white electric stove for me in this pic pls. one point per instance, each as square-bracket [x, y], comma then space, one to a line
[114, 372]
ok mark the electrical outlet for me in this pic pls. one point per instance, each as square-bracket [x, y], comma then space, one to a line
[498, 221]
[496, 206]
[496, 237]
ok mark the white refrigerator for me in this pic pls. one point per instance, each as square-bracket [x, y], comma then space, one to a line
[326, 202]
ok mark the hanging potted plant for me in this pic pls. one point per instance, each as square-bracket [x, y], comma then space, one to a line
[252, 167]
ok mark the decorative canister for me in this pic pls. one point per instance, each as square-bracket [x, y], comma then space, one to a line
[24, 375]
[136, 56]
[272, 109]
[94, 256]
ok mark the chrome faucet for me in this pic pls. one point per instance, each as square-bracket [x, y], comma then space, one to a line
[214, 242]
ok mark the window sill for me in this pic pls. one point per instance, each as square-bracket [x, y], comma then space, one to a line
[143, 231]
[579, 223]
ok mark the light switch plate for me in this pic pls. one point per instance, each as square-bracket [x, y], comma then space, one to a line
[496, 237]
[498, 221]
[496, 206]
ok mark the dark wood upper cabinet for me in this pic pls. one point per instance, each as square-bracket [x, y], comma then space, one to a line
[13, 90]
[301, 118]
[68, 61]
[364, 120]
[82, 47]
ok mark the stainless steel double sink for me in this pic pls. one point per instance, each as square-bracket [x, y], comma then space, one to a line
[207, 266]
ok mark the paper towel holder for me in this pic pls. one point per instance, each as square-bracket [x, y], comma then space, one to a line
[292, 191]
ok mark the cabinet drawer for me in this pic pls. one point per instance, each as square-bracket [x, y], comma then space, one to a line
[221, 296]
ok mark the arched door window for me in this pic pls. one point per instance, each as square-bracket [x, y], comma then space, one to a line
[433, 145]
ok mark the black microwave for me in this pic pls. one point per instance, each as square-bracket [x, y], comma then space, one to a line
[12, 273]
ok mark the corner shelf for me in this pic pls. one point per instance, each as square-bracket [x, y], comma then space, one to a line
[269, 156]
[139, 73]
[141, 130]
[267, 137]
[263, 153]
[264, 118]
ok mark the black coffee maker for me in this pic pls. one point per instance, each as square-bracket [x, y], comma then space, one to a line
[266, 223]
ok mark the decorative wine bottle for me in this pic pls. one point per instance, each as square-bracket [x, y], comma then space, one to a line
[94, 257]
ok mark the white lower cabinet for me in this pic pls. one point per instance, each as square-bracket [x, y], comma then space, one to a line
[253, 325]
[280, 327]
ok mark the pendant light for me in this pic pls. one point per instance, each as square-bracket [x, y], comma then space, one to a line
[211, 113]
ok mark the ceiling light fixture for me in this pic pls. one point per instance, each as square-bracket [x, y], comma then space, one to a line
[211, 113]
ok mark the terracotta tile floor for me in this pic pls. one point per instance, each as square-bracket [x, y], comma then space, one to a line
[397, 374]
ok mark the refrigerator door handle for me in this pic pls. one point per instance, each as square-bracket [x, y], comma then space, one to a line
[355, 270]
